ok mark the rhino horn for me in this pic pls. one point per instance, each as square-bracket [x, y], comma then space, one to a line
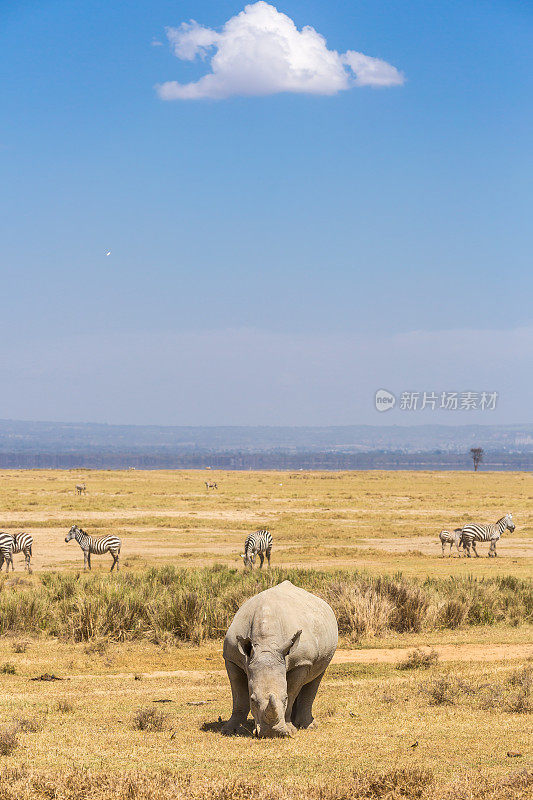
[270, 714]
[290, 643]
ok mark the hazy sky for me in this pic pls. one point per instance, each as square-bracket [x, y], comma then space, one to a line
[297, 216]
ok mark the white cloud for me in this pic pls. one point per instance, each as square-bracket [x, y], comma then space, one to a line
[261, 51]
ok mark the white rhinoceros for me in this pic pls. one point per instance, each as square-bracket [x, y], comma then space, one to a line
[276, 651]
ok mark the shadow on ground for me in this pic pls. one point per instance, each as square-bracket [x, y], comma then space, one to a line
[216, 727]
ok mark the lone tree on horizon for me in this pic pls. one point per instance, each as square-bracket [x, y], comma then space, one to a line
[477, 456]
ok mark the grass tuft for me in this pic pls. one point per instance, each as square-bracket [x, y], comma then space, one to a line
[419, 659]
[410, 783]
[8, 741]
[28, 724]
[149, 719]
[522, 702]
[442, 691]
[65, 706]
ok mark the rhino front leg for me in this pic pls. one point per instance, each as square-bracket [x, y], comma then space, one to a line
[295, 682]
[241, 699]
[302, 715]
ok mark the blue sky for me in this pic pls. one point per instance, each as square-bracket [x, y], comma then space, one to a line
[274, 258]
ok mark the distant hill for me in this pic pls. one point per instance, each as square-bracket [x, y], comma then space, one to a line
[54, 444]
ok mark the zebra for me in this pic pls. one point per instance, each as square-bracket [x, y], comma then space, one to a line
[7, 542]
[15, 543]
[257, 543]
[80, 488]
[486, 533]
[23, 543]
[209, 485]
[107, 544]
[452, 538]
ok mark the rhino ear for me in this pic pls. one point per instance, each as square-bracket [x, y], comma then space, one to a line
[290, 643]
[245, 646]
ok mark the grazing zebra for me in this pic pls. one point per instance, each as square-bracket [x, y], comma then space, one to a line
[486, 533]
[7, 542]
[80, 488]
[257, 543]
[209, 485]
[107, 544]
[452, 538]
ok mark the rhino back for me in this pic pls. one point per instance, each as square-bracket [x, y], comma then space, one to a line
[274, 615]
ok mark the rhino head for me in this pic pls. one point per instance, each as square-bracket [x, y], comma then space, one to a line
[267, 684]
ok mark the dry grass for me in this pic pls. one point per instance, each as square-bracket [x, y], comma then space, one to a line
[419, 659]
[378, 531]
[65, 706]
[368, 716]
[193, 605]
[442, 691]
[360, 610]
[8, 740]
[408, 783]
[510, 694]
[522, 682]
[28, 724]
[149, 719]
[96, 647]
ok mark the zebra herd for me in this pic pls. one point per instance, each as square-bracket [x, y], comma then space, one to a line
[13, 543]
[467, 536]
[259, 543]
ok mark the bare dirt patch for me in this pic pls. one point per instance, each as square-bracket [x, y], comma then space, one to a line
[383, 655]
[461, 652]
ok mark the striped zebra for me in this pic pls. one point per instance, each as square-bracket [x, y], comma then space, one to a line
[209, 485]
[23, 543]
[12, 543]
[7, 542]
[80, 488]
[452, 538]
[257, 543]
[486, 533]
[107, 544]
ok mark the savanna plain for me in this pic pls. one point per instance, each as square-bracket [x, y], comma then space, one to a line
[113, 685]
